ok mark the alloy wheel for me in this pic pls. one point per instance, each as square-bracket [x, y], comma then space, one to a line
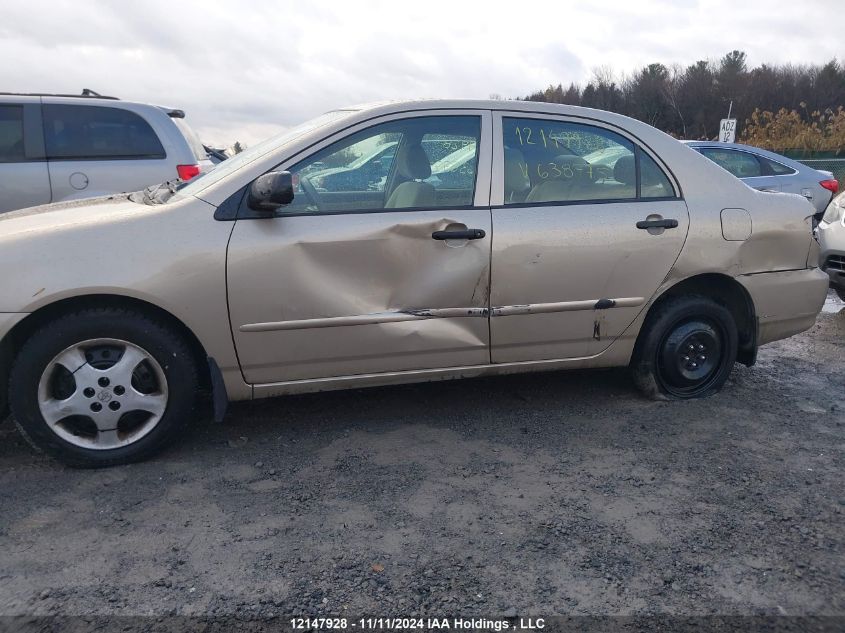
[102, 394]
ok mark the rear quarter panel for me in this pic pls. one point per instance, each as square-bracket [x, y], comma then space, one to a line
[781, 224]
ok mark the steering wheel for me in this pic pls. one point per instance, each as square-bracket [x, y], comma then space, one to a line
[311, 192]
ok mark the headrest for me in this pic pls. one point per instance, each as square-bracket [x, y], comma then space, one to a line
[625, 170]
[516, 178]
[412, 162]
[569, 168]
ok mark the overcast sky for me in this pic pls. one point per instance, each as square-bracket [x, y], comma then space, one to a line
[245, 70]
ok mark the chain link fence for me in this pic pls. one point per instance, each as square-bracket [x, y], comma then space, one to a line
[834, 165]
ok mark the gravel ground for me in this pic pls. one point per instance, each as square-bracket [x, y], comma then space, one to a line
[562, 493]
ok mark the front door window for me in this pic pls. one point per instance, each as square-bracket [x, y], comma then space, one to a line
[415, 163]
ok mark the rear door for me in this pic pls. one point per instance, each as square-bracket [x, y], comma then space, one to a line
[24, 178]
[579, 247]
[95, 150]
[369, 273]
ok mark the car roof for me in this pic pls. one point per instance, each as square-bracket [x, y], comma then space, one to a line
[90, 96]
[474, 104]
[374, 109]
[721, 144]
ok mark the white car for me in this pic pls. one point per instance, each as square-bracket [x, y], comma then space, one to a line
[831, 232]
[62, 147]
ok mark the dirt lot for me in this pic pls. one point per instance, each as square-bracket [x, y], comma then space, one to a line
[553, 493]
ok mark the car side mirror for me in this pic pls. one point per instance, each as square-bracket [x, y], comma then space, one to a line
[270, 191]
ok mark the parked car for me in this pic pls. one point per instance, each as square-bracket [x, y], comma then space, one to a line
[368, 169]
[253, 282]
[64, 147]
[768, 171]
[215, 154]
[831, 232]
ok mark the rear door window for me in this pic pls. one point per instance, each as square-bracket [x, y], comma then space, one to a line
[740, 164]
[11, 134]
[549, 161]
[98, 133]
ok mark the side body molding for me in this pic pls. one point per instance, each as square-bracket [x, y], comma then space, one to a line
[443, 313]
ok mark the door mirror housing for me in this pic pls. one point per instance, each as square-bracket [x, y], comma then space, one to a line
[270, 191]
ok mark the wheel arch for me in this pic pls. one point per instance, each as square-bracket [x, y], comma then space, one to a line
[16, 337]
[726, 291]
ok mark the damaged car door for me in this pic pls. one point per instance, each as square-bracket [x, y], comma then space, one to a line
[587, 226]
[384, 272]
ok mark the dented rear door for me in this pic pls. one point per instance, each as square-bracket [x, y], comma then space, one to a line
[352, 292]
[581, 242]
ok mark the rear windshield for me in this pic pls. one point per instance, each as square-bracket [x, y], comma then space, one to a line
[193, 140]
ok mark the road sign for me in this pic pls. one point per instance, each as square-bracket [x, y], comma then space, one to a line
[727, 130]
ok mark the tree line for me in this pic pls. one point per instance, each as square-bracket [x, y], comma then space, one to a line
[688, 102]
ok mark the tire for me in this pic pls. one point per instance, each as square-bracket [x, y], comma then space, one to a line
[132, 392]
[664, 367]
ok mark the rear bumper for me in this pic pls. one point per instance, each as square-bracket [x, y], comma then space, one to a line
[785, 302]
[8, 320]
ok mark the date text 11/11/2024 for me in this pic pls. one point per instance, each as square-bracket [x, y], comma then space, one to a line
[424, 624]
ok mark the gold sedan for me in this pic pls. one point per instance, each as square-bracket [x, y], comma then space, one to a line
[394, 243]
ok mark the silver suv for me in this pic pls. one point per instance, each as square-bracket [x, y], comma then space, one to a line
[63, 147]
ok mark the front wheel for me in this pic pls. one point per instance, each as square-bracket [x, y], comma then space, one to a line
[687, 349]
[103, 387]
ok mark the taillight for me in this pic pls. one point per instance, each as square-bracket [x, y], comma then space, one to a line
[186, 172]
[830, 185]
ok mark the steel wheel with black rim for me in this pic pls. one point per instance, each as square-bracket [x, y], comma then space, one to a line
[687, 349]
[102, 387]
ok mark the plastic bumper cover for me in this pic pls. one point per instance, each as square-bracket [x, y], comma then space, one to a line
[785, 302]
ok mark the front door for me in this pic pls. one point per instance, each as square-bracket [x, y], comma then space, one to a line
[586, 227]
[380, 264]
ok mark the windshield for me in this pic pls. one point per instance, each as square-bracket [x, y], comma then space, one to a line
[255, 152]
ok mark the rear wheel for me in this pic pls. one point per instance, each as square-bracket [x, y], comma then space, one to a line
[103, 387]
[687, 349]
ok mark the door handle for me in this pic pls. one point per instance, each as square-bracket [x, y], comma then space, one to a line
[466, 234]
[667, 223]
